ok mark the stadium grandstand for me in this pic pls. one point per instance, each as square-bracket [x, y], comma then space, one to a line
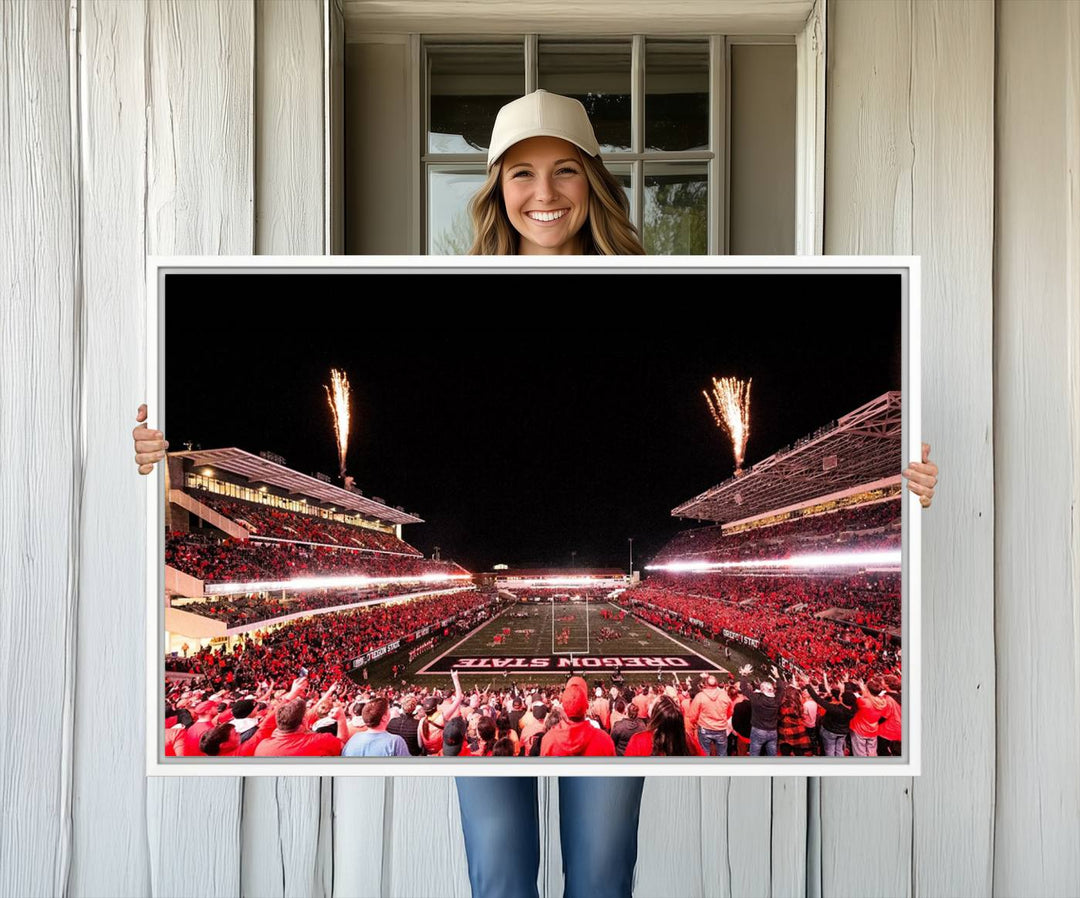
[252, 545]
[803, 559]
[775, 628]
[847, 459]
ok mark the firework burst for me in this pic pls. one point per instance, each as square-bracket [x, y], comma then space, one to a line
[337, 395]
[730, 407]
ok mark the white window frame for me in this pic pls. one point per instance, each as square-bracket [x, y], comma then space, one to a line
[809, 40]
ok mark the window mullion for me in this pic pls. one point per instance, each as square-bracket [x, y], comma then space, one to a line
[718, 144]
[532, 63]
[637, 128]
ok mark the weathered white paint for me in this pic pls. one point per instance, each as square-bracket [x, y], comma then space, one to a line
[282, 818]
[810, 135]
[909, 152]
[110, 855]
[1036, 370]
[868, 153]
[40, 442]
[289, 127]
[952, 130]
[160, 155]
[423, 850]
[199, 201]
[575, 16]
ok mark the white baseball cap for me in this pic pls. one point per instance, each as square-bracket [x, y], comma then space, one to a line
[541, 114]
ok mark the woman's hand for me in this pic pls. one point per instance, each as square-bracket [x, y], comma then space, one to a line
[922, 477]
[150, 445]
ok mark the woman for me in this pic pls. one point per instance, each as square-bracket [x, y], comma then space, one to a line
[547, 193]
[666, 734]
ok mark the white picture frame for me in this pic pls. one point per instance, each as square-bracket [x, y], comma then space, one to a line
[908, 765]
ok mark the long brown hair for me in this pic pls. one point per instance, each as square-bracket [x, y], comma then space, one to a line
[608, 230]
[668, 729]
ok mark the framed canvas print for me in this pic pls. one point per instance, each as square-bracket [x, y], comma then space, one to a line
[520, 516]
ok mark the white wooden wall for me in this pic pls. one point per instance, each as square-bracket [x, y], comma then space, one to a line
[199, 127]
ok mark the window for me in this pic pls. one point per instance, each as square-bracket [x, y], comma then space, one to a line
[718, 139]
[661, 108]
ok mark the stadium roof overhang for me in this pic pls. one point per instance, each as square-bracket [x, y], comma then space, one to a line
[863, 447]
[261, 470]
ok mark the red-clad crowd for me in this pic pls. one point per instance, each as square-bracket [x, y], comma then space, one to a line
[246, 609]
[217, 559]
[862, 527]
[324, 644]
[269, 521]
[778, 626]
[873, 599]
[712, 716]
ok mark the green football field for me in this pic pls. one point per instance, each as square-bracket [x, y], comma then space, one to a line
[534, 642]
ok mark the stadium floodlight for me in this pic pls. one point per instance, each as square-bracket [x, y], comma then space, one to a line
[299, 584]
[563, 581]
[819, 561]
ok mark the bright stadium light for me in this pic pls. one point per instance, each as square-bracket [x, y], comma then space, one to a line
[820, 561]
[564, 581]
[347, 582]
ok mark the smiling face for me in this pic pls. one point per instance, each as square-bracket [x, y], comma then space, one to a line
[546, 195]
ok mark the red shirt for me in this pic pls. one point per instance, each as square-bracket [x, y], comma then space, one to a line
[193, 734]
[570, 739]
[301, 744]
[871, 710]
[890, 728]
[640, 746]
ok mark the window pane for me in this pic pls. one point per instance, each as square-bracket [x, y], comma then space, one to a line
[676, 209]
[762, 198]
[597, 74]
[449, 191]
[467, 86]
[676, 95]
[624, 175]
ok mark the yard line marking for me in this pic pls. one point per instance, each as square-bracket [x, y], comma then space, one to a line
[712, 665]
[467, 636]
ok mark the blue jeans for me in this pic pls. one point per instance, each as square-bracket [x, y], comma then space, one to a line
[598, 824]
[708, 738]
[863, 746]
[762, 739]
[833, 742]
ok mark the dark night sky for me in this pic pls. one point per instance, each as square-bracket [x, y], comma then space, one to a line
[563, 418]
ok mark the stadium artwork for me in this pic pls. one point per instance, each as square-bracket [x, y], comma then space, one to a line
[643, 515]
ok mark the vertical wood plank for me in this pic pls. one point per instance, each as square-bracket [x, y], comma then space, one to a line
[669, 838]
[334, 126]
[289, 111]
[200, 183]
[360, 849]
[869, 157]
[424, 821]
[789, 802]
[736, 836]
[1037, 446]
[40, 435]
[910, 171]
[282, 816]
[199, 201]
[280, 828]
[952, 128]
[110, 779]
